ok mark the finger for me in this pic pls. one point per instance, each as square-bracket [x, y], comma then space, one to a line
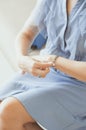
[40, 58]
[42, 73]
[34, 73]
[45, 72]
[43, 65]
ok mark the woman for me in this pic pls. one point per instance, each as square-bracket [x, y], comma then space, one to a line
[51, 91]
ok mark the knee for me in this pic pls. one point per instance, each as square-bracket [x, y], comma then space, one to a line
[5, 116]
[7, 109]
[4, 110]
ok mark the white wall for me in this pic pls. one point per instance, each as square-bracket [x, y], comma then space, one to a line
[5, 68]
[13, 14]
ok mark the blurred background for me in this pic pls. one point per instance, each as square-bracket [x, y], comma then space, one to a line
[13, 14]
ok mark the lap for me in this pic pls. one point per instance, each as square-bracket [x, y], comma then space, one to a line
[26, 86]
[21, 83]
[47, 98]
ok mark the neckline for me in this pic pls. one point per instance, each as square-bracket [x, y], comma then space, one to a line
[72, 10]
[73, 6]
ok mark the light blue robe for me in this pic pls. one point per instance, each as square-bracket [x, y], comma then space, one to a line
[58, 101]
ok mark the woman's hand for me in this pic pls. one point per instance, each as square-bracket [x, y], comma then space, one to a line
[34, 66]
[45, 58]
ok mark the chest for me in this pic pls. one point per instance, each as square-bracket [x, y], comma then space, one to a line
[69, 5]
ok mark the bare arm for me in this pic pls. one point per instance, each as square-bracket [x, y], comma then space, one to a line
[23, 43]
[31, 28]
[33, 25]
[25, 38]
[76, 69]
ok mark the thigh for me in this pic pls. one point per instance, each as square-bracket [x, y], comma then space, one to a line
[55, 107]
[13, 86]
[20, 83]
[13, 109]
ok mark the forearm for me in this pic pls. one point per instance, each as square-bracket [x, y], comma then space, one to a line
[24, 40]
[75, 69]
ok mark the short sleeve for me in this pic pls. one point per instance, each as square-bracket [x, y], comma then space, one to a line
[38, 15]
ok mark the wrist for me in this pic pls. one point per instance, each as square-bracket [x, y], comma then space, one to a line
[52, 58]
[55, 61]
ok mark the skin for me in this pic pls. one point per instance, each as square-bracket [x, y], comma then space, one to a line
[11, 110]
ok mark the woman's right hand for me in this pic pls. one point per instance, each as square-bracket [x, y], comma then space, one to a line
[36, 68]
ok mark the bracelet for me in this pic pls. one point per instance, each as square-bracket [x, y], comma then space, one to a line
[54, 62]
